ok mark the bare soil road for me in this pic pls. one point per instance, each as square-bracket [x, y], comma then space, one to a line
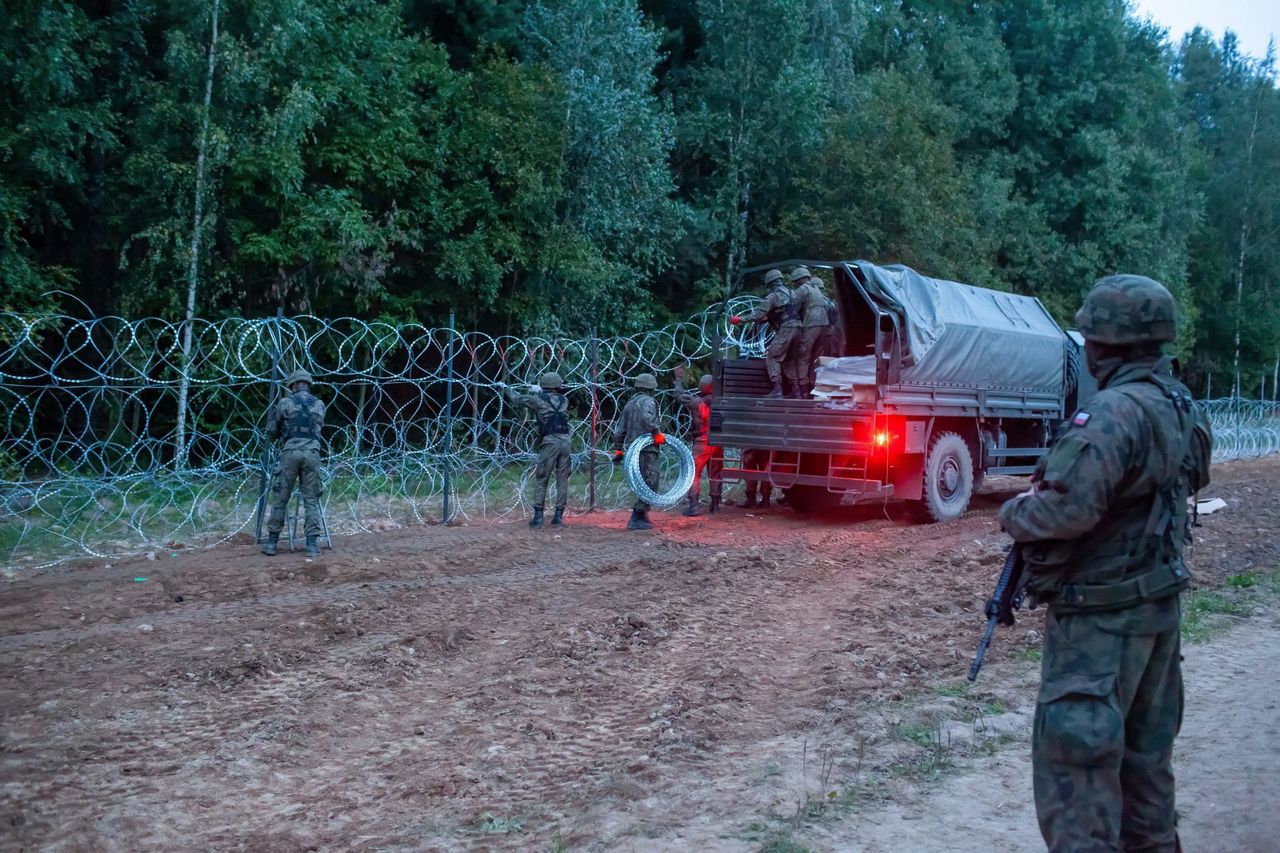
[726, 682]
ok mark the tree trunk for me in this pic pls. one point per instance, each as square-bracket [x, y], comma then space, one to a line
[193, 270]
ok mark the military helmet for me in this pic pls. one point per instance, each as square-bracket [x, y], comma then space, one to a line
[551, 381]
[706, 383]
[647, 382]
[799, 274]
[297, 376]
[1128, 309]
[773, 277]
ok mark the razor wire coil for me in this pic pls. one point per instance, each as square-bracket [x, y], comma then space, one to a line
[684, 480]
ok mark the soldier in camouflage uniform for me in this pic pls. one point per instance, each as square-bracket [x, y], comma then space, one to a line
[755, 459]
[781, 310]
[297, 420]
[1103, 532]
[551, 408]
[705, 457]
[640, 417]
[814, 332]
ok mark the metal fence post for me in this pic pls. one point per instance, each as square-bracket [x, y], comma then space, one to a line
[448, 425]
[595, 420]
[268, 456]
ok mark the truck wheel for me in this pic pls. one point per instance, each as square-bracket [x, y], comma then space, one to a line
[948, 478]
[812, 498]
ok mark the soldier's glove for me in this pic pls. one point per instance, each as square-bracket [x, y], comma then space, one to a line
[658, 438]
[534, 389]
[735, 320]
[617, 457]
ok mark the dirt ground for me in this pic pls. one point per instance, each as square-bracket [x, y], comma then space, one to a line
[731, 682]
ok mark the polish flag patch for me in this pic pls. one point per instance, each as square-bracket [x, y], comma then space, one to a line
[1081, 418]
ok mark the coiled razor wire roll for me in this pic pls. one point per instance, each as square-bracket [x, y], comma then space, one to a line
[684, 482]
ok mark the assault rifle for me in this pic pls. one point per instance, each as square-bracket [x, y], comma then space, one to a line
[1011, 588]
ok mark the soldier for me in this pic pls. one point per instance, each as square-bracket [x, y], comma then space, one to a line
[1104, 528]
[705, 457]
[298, 421]
[816, 320]
[781, 310]
[640, 417]
[756, 460]
[551, 407]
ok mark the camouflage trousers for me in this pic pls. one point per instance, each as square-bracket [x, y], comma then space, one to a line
[296, 465]
[554, 457]
[781, 359]
[649, 473]
[1109, 708]
[756, 460]
[711, 460]
[812, 340]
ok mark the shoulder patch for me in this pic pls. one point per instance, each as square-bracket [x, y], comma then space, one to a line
[1081, 418]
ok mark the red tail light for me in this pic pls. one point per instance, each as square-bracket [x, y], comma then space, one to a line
[883, 439]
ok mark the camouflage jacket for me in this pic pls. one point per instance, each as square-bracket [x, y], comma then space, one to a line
[699, 408]
[549, 407]
[298, 421]
[639, 417]
[781, 308]
[1089, 519]
[813, 305]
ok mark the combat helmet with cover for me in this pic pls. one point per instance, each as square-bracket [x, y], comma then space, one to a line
[773, 277]
[799, 275]
[647, 382]
[297, 376]
[551, 381]
[1122, 310]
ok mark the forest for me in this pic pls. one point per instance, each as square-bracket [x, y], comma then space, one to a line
[560, 166]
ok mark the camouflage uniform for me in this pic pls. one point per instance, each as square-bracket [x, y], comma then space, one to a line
[815, 329]
[554, 451]
[640, 417]
[705, 457]
[298, 421]
[754, 459]
[781, 310]
[1104, 531]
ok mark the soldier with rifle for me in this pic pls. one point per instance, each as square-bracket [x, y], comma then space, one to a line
[1102, 534]
[782, 311]
[298, 421]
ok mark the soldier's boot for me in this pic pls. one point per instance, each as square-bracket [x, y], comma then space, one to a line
[764, 502]
[639, 520]
[272, 544]
[692, 509]
[557, 520]
[776, 392]
[749, 501]
[536, 521]
[313, 546]
[715, 505]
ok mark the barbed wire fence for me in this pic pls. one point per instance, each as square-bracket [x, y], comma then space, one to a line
[90, 462]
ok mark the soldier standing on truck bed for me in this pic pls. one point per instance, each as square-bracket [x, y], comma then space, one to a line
[551, 407]
[640, 417]
[1103, 532]
[705, 457]
[815, 319]
[781, 310]
[298, 421]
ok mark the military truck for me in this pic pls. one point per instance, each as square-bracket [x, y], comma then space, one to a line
[959, 382]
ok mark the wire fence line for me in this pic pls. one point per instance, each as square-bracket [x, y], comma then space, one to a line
[416, 419]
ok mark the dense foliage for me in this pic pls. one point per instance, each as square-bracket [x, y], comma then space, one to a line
[563, 165]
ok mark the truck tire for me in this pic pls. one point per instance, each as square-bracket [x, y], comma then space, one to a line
[812, 498]
[948, 478]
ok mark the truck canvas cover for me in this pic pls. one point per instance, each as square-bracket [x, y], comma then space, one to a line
[960, 335]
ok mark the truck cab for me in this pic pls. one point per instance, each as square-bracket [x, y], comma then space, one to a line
[960, 382]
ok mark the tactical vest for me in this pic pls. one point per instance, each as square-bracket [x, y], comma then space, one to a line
[1101, 564]
[789, 311]
[301, 425]
[556, 422]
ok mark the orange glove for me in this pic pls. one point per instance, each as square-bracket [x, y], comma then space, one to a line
[659, 439]
[735, 320]
[617, 457]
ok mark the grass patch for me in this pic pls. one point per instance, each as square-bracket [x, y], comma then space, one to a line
[1029, 655]
[491, 824]
[1202, 609]
[955, 691]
